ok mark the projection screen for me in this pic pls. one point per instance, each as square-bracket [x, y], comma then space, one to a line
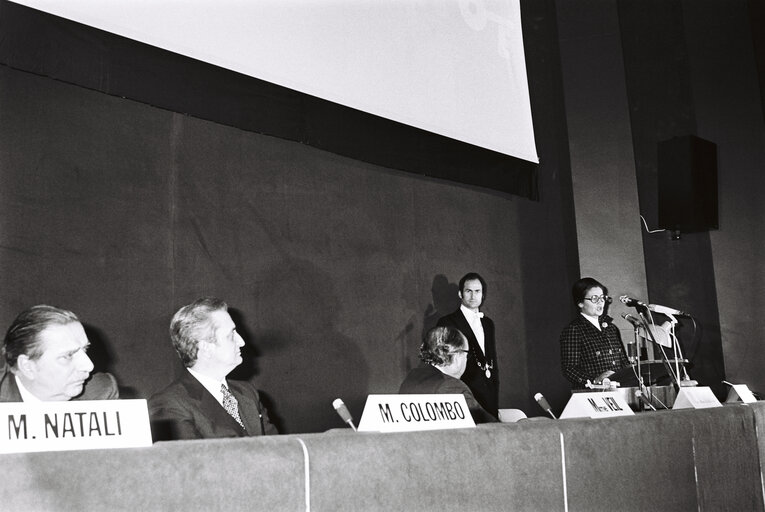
[451, 67]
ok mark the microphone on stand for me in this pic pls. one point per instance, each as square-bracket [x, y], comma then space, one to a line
[542, 401]
[633, 303]
[343, 412]
[631, 319]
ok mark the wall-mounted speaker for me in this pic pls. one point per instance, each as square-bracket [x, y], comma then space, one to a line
[687, 179]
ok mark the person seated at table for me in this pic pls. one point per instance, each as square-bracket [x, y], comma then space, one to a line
[46, 360]
[444, 358]
[591, 346]
[202, 403]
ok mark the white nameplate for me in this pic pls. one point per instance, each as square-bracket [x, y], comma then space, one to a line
[604, 404]
[699, 397]
[741, 391]
[407, 413]
[73, 425]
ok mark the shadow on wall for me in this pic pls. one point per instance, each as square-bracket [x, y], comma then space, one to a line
[300, 358]
[445, 301]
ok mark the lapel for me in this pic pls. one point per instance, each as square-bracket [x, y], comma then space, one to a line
[249, 408]
[9, 391]
[209, 406]
[600, 333]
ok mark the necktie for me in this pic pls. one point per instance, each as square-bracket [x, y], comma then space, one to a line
[230, 404]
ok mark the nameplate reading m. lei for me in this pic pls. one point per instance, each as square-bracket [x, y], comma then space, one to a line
[596, 405]
[407, 413]
[74, 425]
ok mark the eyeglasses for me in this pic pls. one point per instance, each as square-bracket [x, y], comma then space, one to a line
[599, 298]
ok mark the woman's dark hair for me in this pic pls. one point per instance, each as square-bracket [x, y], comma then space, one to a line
[580, 288]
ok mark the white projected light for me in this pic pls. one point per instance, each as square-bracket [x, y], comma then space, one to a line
[452, 67]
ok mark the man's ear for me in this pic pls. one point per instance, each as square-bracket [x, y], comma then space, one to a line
[26, 366]
[459, 294]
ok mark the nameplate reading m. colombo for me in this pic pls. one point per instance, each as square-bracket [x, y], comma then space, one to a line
[74, 425]
[406, 413]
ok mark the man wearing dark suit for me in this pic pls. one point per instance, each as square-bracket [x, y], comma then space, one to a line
[201, 403]
[444, 358]
[481, 374]
[46, 360]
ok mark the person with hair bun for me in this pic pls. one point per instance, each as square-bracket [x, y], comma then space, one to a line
[444, 358]
[590, 346]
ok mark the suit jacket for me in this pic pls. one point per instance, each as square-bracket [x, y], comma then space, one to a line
[485, 390]
[100, 386]
[586, 352]
[427, 379]
[186, 410]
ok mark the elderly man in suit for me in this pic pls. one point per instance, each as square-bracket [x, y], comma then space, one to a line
[46, 360]
[444, 358]
[201, 403]
[481, 374]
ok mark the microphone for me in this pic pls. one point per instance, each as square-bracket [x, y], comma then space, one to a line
[641, 397]
[542, 401]
[343, 412]
[633, 303]
[631, 319]
[666, 311]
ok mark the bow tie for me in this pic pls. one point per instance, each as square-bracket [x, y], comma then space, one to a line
[478, 315]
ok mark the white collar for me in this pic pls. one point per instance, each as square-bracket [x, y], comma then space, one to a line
[210, 384]
[594, 320]
[469, 313]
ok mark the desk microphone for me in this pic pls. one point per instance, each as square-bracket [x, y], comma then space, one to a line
[344, 413]
[542, 401]
[639, 394]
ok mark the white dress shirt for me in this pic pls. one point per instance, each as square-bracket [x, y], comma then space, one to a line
[474, 320]
[210, 384]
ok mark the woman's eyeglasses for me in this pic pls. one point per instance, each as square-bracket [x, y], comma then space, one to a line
[595, 299]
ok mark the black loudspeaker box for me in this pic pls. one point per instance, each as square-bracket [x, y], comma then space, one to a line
[687, 172]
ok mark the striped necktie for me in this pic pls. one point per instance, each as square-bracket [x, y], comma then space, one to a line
[231, 405]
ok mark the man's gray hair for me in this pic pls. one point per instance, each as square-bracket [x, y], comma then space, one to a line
[193, 324]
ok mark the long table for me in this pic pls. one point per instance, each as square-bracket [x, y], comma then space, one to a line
[669, 460]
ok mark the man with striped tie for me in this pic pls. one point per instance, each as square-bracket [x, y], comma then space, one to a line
[201, 403]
